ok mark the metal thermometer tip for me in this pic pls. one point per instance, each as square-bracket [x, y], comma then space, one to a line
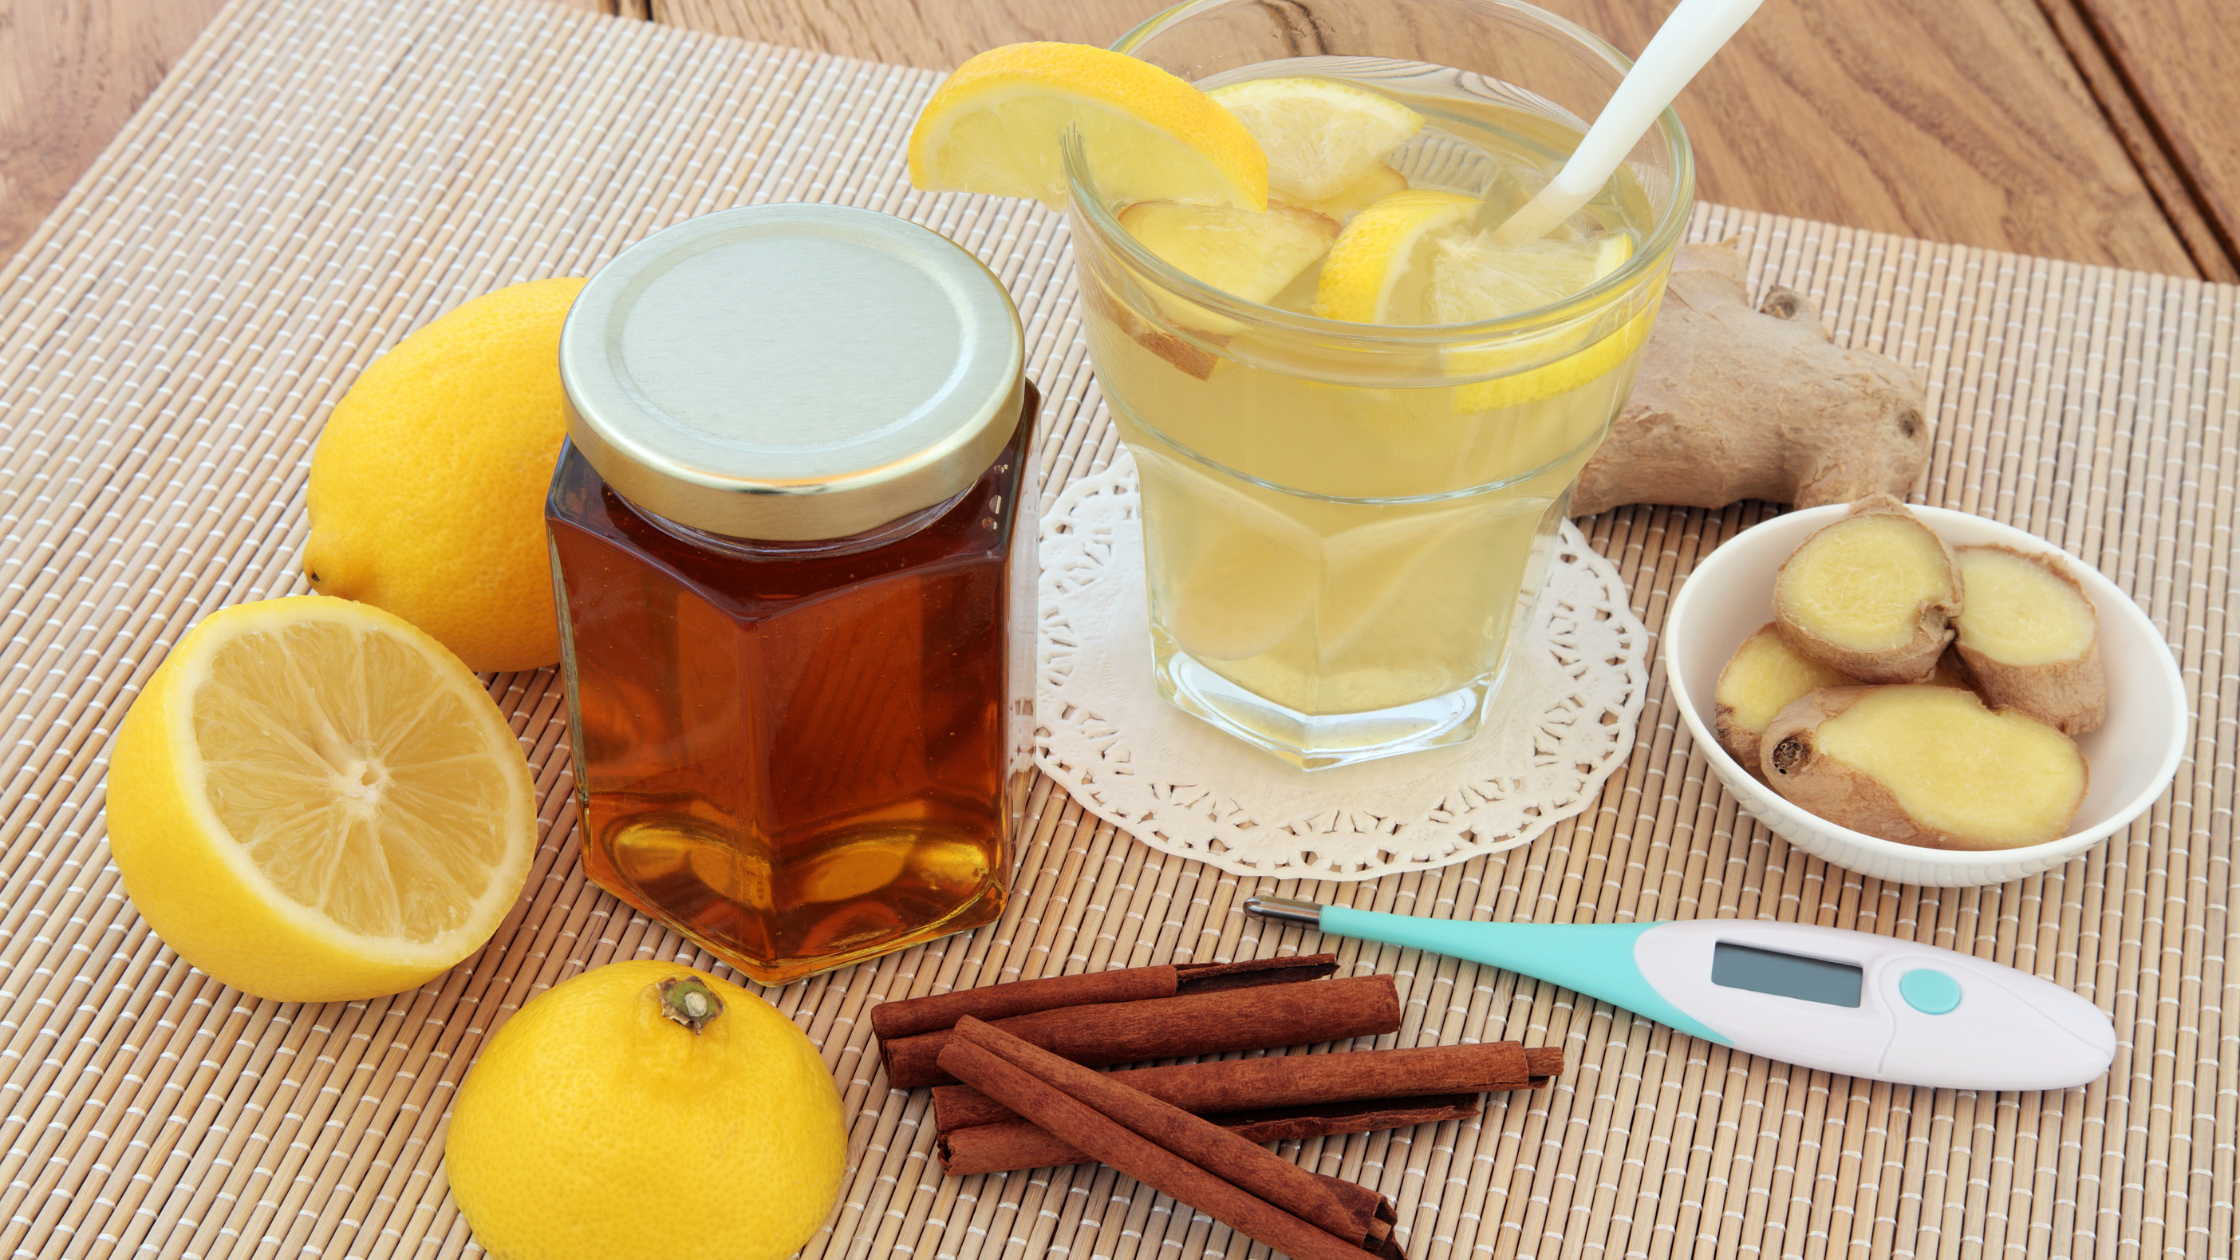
[1285, 910]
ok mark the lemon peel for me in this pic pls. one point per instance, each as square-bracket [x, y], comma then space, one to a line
[1589, 262]
[426, 493]
[1589, 363]
[1377, 266]
[998, 126]
[615, 1117]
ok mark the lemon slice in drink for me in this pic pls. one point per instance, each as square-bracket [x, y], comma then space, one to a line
[1473, 279]
[1320, 135]
[1381, 182]
[314, 801]
[998, 125]
[1378, 270]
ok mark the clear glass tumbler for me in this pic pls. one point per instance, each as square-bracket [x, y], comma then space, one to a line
[1344, 524]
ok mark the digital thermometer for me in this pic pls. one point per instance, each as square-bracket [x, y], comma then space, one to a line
[1848, 1002]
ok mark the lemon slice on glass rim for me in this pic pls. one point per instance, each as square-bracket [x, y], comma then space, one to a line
[313, 800]
[998, 125]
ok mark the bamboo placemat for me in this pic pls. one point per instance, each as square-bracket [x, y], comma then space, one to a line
[318, 177]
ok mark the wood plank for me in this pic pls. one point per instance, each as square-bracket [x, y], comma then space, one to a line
[74, 71]
[2168, 75]
[1963, 123]
[1951, 122]
[71, 73]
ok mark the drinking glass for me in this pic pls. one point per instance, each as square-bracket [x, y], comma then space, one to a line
[1345, 525]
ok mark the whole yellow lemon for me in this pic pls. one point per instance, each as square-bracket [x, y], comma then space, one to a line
[428, 485]
[644, 1109]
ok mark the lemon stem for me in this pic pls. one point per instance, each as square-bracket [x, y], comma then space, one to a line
[689, 1002]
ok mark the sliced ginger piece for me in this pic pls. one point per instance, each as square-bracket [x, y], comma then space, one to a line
[1871, 596]
[2031, 638]
[1245, 254]
[1925, 765]
[1742, 399]
[1764, 677]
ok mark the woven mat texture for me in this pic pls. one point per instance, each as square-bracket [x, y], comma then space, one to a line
[319, 177]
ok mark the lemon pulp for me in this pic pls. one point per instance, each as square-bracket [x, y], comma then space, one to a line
[313, 800]
[1320, 135]
[353, 779]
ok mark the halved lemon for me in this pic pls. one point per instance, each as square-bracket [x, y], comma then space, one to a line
[1320, 135]
[314, 801]
[998, 124]
[1378, 269]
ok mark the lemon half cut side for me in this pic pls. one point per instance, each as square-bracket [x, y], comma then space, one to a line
[315, 801]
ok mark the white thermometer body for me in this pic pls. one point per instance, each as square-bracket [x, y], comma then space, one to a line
[1849, 1002]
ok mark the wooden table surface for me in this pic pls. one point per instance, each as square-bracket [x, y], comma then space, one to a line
[2104, 131]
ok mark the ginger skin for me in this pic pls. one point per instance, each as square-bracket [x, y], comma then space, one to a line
[1735, 402]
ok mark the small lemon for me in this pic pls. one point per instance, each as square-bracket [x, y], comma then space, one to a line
[427, 489]
[644, 1109]
[313, 801]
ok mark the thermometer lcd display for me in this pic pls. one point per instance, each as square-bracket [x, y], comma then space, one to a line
[1785, 975]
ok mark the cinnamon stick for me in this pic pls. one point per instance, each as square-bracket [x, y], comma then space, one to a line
[1014, 1144]
[1300, 1080]
[1261, 1196]
[912, 1016]
[1177, 1027]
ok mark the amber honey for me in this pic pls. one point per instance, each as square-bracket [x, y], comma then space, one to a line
[795, 569]
[797, 754]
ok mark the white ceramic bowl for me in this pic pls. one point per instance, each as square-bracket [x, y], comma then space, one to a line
[2132, 757]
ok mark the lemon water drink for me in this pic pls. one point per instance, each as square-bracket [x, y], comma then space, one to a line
[1358, 410]
[1358, 421]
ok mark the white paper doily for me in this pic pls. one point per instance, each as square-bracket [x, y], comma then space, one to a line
[1562, 723]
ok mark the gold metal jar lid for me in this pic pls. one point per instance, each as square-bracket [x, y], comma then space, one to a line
[792, 371]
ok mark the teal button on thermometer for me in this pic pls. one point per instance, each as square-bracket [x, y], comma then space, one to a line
[1849, 1002]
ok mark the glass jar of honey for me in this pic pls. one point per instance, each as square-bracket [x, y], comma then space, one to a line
[793, 543]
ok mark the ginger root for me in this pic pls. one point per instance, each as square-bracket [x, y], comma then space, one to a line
[1764, 677]
[1740, 403]
[1925, 765]
[1871, 595]
[2031, 638]
[1244, 253]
